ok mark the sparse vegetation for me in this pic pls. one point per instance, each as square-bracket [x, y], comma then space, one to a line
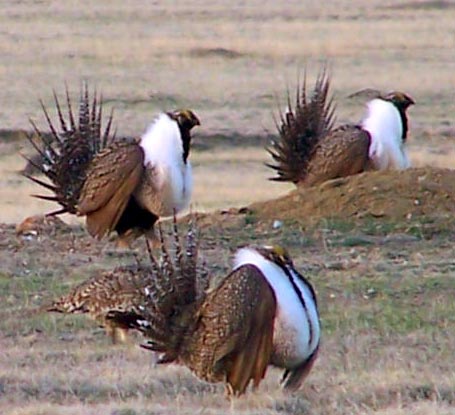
[386, 308]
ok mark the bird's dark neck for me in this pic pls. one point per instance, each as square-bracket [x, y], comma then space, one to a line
[186, 141]
[404, 122]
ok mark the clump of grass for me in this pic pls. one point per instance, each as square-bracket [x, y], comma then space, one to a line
[383, 305]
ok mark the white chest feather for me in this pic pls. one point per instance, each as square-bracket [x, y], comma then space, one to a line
[163, 150]
[384, 123]
[297, 328]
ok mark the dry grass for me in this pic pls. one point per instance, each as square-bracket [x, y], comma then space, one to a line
[145, 58]
[386, 310]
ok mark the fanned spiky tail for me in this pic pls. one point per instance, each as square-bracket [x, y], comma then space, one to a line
[66, 153]
[300, 129]
[168, 302]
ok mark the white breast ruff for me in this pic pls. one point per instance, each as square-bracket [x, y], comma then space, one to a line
[384, 124]
[163, 148]
[292, 321]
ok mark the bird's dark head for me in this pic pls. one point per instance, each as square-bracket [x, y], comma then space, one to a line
[186, 119]
[401, 100]
[277, 254]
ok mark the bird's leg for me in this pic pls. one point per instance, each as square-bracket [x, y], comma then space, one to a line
[122, 243]
[110, 332]
[125, 239]
[229, 392]
[117, 334]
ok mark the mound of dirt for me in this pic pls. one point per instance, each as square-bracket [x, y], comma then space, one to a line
[389, 194]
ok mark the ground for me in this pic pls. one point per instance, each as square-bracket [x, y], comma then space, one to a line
[378, 247]
[385, 284]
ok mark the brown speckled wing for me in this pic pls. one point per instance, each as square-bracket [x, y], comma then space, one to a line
[115, 290]
[149, 192]
[341, 153]
[233, 341]
[113, 176]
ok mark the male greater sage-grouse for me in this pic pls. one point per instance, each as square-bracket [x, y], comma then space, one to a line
[263, 313]
[309, 150]
[120, 185]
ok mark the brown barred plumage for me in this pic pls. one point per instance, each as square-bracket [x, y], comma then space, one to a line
[102, 293]
[225, 334]
[121, 292]
[112, 182]
[308, 150]
[230, 333]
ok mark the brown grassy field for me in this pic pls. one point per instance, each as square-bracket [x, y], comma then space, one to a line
[385, 282]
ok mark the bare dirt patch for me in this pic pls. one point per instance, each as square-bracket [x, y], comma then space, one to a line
[393, 195]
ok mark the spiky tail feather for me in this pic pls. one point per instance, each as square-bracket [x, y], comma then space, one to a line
[300, 129]
[166, 304]
[66, 152]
